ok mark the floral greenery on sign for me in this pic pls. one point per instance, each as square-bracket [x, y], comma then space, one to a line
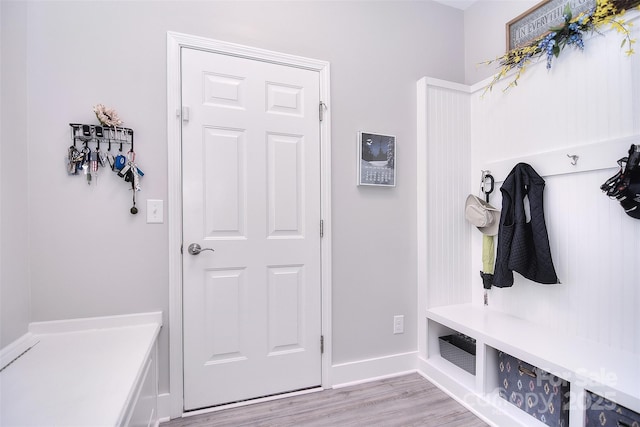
[571, 33]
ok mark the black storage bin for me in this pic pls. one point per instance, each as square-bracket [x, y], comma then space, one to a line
[538, 393]
[602, 412]
[460, 350]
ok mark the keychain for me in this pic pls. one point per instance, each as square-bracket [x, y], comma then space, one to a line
[133, 209]
[135, 187]
[132, 173]
[102, 157]
[73, 157]
[93, 167]
[119, 162]
[84, 163]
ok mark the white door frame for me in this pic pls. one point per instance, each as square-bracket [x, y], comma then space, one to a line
[176, 41]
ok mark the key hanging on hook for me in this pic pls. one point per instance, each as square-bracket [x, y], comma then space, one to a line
[93, 167]
[135, 186]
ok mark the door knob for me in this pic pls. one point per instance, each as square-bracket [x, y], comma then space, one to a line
[195, 249]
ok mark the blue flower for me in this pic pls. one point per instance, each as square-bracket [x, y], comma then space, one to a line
[576, 39]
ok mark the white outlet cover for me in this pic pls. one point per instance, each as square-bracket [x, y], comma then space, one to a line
[398, 324]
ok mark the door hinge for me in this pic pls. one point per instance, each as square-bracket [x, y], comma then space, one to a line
[185, 114]
[321, 108]
[321, 228]
[321, 344]
[181, 249]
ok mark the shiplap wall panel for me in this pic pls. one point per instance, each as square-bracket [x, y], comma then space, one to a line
[590, 102]
[587, 97]
[595, 248]
[447, 174]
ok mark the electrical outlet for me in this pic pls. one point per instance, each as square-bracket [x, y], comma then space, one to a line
[398, 324]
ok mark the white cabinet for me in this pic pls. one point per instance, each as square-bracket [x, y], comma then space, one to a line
[97, 371]
[143, 407]
[585, 365]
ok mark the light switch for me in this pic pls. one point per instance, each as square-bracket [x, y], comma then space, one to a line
[155, 212]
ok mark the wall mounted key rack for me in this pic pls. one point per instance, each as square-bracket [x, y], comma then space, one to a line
[91, 149]
[101, 134]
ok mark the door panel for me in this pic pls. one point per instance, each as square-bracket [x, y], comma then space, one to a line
[224, 183]
[285, 169]
[251, 192]
[285, 300]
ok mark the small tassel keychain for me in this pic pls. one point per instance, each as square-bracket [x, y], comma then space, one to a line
[133, 174]
[135, 187]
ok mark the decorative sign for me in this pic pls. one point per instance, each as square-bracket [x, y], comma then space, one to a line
[376, 159]
[537, 20]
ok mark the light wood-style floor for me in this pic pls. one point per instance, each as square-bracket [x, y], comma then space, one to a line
[408, 400]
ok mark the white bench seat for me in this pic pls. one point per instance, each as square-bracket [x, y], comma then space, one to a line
[88, 372]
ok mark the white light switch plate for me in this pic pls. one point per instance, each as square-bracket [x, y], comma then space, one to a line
[155, 214]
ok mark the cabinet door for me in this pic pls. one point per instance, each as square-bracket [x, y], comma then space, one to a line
[143, 409]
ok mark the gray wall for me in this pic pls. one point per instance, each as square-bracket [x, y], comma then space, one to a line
[14, 272]
[87, 256]
[485, 34]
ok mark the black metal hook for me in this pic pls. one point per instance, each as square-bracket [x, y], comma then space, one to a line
[492, 182]
[74, 129]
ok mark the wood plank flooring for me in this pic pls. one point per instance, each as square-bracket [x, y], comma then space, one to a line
[408, 400]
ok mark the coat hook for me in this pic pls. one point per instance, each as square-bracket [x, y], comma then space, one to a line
[574, 159]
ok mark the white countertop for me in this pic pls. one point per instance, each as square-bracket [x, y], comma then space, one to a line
[76, 377]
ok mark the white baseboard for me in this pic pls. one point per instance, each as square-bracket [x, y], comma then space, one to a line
[360, 371]
[164, 407]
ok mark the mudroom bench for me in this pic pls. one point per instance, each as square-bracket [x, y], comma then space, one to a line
[81, 372]
[588, 367]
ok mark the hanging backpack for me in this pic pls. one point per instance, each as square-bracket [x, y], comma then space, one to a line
[624, 186]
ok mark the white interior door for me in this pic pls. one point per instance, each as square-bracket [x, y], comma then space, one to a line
[251, 192]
